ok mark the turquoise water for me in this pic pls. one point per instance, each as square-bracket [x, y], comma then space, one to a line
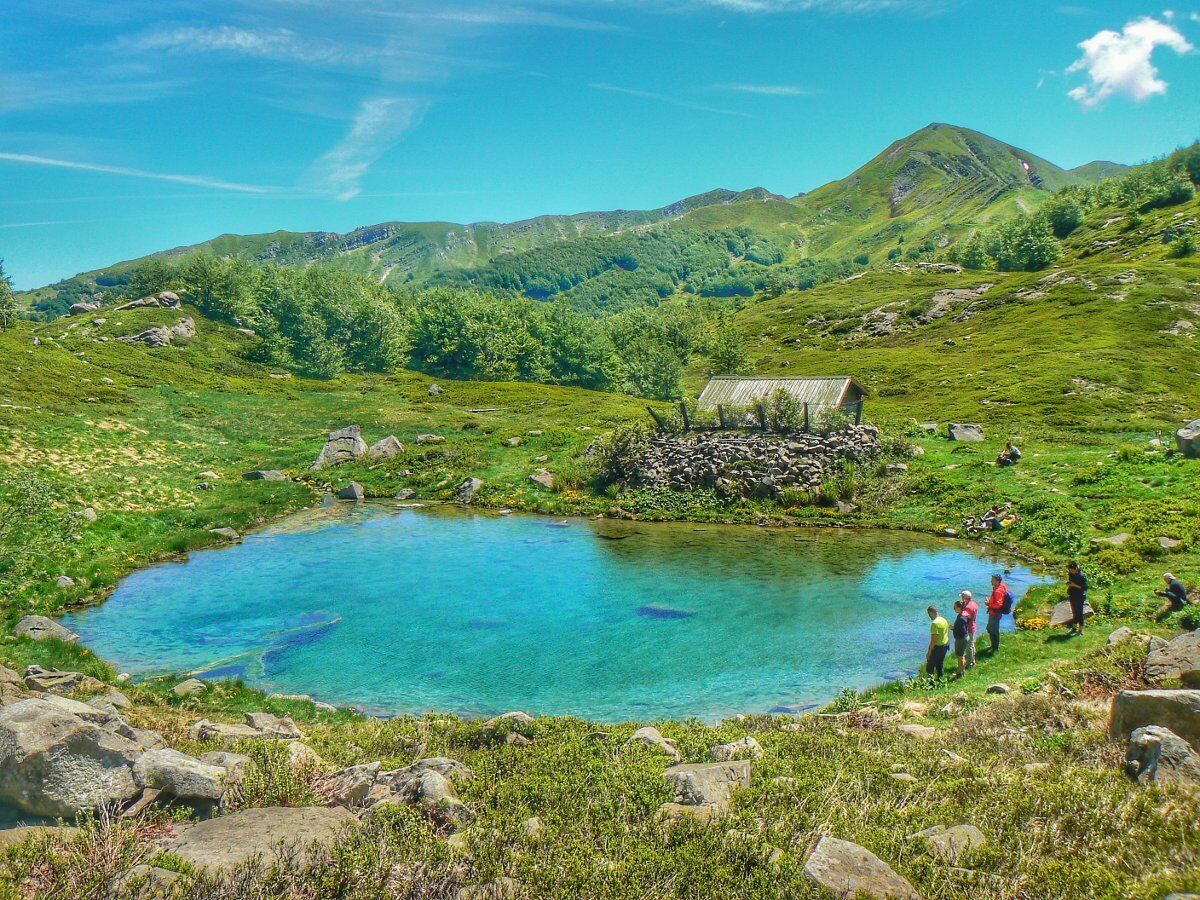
[407, 610]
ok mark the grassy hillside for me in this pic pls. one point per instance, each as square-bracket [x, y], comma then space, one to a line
[925, 190]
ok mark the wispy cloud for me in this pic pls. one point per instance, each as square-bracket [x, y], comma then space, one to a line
[836, 7]
[769, 90]
[1121, 62]
[378, 125]
[280, 44]
[667, 98]
[38, 90]
[197, 180]
[500, 15]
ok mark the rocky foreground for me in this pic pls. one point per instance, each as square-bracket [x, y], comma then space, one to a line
[199, 805]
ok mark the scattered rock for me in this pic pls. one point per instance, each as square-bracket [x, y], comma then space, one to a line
[1169, 543]
[110, 697]
[466, 490]
[969, 433]
[228, 841]
[999, 688]
[189, 688]
[54, 763]
[848, 870]
[236, 765]
[1116, 540]
[1179, 655]
[40, 628]
[88, 514]
[651, 737]
[265, 475]
[230, 534]
[64, 581]
[55, 682]
[385, 448]
[746, 748]
[430, 439]
[349, 787]
[179, 775]
[144, 882]
[513, 442]
[948, 844]
[543, 477]
[352, 491]
[344, 445]
[185, 328]
[405, 494]
[84, 306]
[273, 726]
[435, 390]
[533, 828]
[1177, 710]
[1157, 755]
[924, 732]
[155, 336]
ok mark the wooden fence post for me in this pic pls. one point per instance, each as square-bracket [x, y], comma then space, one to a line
[721, 415]
[662, 426]
[806, 424]
[858, 413]
[687, 424]
[762, 415]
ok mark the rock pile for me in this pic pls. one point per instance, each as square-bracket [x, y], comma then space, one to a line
[346, 445]
[758, 465]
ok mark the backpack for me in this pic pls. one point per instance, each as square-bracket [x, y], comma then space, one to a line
[1006, 607]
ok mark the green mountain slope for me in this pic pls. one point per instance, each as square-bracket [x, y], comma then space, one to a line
[926, 189]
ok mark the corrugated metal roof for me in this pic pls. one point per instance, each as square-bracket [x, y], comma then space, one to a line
[733, 391]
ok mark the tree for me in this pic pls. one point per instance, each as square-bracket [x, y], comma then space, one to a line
[728, 353]
[971, 253]
[1063, 215]
[1023, 244]
[8, 303]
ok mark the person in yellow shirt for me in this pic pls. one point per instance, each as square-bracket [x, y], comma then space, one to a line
[939, 643]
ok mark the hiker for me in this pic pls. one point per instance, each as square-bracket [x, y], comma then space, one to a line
[999, 605]
[961, 636]
[971, 614]
[939, 643]
[1077, 588]
[1009, 456]
[1176, 597]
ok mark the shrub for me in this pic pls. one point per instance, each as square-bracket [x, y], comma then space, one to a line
[618, 452]
[1189, 618]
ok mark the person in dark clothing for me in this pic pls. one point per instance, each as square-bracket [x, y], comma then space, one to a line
[1077, 588]
[1176, 597]
[1009, 456]
[962, 635]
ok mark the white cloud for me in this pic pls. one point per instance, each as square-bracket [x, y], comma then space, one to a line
[1120, 62]
[825, 6]
[198, 180]
[276, 43]
[378, 125]
[667, 98]
[769, 90]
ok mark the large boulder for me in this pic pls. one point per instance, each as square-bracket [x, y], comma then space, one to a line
[1062, 614]
[708, 784]
[385, 448]
[350, 786]
[236, 765]
[746, 748]
[189, 688]
[1187, 439]
[344, 445]
[39, 628]
[154, 336]
[848, 870]
[1157, 755]
[228, 841]
[960, 432]
[1177, 710]
[53, 681]
[1178, 656]
[179, 775]
[353, 491]
[273, 726]
[426, 785]
[185, 328]
[83, 306]
[55, 763]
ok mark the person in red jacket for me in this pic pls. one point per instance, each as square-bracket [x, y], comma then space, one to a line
[998, 604]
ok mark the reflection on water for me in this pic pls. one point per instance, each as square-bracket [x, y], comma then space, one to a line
[405, 610]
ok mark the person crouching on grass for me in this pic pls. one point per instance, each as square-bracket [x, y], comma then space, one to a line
[939, 643]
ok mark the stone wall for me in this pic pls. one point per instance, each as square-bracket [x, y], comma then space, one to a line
[750, 465]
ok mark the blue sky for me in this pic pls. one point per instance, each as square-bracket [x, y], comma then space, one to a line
[128, 126]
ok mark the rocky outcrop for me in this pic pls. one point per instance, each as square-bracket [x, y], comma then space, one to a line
[185, 328]
[1187, 439]
[848, 870]
[708, 784]
[350, 787]
[54, 762]
[257, 726]
[228, 841]
[84, 306]
[466, 490]
[1178, 711]
[746, 748]
[39, 628]
[163, 300]
[344, 445]
[53, 681]
[1157, 755]
[1182, 654]
[747, 465]
[179, 775]
[960, 432]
